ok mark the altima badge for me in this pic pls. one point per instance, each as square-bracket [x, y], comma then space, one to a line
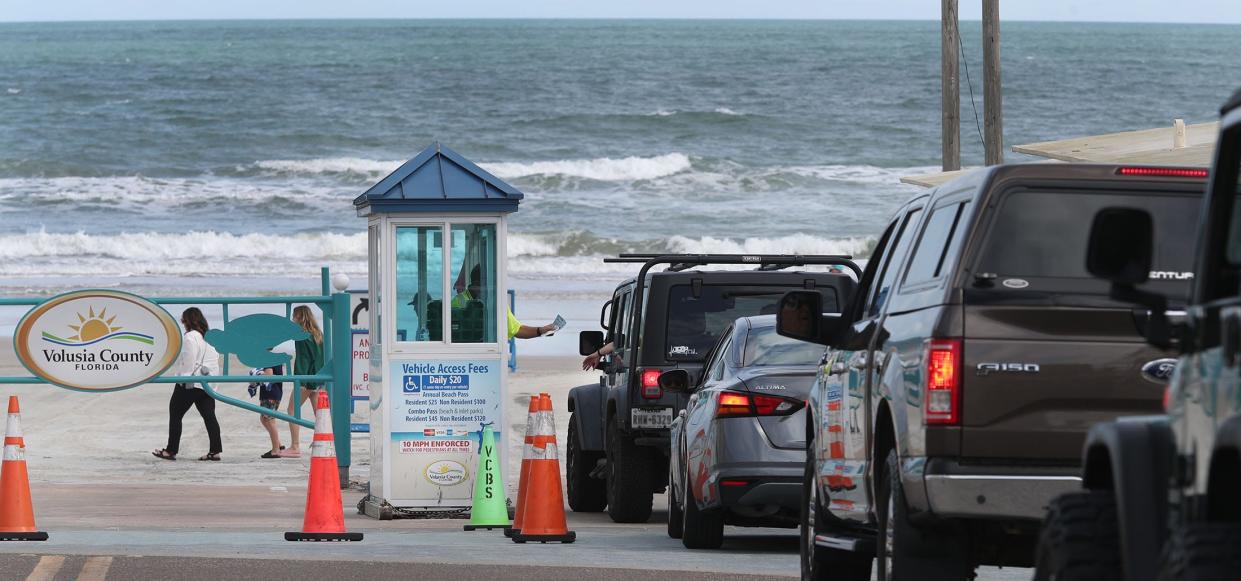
[1159, 371]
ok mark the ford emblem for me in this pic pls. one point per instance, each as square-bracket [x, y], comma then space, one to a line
[1159, 370]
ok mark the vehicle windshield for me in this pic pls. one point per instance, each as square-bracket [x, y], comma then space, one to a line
[696, 321]
[764, 347]
[1039, 240]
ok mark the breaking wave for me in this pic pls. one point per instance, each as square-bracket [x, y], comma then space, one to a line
[196, 254]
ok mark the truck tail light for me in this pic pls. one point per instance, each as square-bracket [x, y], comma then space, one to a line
[734, 404]
[1163, 172]
[943, 382]
[650, 384]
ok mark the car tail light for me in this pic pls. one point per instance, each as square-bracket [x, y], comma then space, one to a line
[943, 382]
[650, 384]
[1163, 172]
[734, 404]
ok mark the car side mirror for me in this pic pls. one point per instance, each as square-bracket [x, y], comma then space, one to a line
[675, 380]
[1121, 246]
[1121, 251]
[800, 316]
[589, 342]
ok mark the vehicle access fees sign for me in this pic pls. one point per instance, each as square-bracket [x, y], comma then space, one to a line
[438, 410]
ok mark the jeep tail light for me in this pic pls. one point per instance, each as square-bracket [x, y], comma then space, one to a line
[650, 384]
[943, 382]
[1163, 172]
[734, 404]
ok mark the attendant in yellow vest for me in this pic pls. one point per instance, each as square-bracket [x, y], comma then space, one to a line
[515, 327]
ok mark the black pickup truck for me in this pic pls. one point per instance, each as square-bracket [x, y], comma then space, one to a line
[618, 437]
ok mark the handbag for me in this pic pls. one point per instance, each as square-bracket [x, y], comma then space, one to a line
[199, 369]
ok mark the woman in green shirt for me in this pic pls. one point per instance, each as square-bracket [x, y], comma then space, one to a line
[309, 360]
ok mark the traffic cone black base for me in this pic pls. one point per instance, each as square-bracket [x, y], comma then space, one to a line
[36, 536]
[322, 537]
[506, 528]
[566, 538]
[509, 532]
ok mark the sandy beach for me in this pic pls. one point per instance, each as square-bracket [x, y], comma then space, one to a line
[80, 438]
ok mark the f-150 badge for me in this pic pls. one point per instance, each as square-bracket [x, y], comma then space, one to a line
[989, 368]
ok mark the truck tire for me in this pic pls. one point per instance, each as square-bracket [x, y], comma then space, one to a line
[629, 496]
[676, 526]
[1201, 551]
[700, 529]
[908, 552]
[821, 563]
[1080, 540]
[586, 494]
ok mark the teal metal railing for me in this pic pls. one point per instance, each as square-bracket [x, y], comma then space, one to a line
[334, 374]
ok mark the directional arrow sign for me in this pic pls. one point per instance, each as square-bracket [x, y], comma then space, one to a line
[359, 311]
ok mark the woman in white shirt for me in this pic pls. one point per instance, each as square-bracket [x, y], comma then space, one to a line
[196, 357]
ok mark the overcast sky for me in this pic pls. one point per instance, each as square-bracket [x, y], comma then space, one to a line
[1217, 11]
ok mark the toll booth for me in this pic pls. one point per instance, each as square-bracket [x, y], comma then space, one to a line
[439, 327]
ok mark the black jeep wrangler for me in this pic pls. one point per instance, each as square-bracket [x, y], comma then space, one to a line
[618, 431]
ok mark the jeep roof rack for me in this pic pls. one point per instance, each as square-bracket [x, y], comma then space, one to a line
[765, 262]
[678, 262]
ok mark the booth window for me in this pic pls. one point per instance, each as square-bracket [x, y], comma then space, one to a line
[375, 324]
[472, 267]
[419, 283]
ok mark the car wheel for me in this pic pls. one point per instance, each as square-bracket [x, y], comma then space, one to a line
[1080, 539]
[908, 552]
[675, 522]
[821, 563]
[1201, 551]
[629, 495]
[701, 529]
[586, 494]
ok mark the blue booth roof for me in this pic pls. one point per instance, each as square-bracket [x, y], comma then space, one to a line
[438, 180]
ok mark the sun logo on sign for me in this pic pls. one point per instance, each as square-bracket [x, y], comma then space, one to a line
[94, 328]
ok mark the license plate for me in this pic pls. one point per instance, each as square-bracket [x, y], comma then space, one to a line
[651, 417]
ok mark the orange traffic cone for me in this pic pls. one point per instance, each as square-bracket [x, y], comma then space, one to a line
[526, 453]
[544, 519]
[16, 512]
[325, 519]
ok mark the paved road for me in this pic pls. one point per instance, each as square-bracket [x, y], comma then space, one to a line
[156, 532]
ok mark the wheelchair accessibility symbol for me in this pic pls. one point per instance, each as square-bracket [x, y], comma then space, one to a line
[413, 384]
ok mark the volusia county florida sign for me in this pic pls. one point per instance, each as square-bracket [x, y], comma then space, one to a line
[97, 340]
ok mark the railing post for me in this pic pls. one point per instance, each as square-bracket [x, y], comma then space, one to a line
[339, 389]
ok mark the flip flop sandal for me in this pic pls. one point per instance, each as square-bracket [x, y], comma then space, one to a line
[163, 454]
[214, 457]
[287, 454]
[268, 454]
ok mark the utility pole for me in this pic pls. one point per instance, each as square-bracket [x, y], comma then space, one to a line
[950, 85]
[993, 98]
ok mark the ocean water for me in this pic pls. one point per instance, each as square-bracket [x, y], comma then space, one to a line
[222, 157]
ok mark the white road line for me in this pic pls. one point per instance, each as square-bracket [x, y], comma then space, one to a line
[46, 568]
[95, 569]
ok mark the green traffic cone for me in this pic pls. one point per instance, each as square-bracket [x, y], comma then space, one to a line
[489, 511]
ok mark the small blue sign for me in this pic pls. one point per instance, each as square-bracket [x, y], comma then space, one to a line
[437, 382]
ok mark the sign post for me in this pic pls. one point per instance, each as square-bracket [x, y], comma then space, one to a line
[438, 327]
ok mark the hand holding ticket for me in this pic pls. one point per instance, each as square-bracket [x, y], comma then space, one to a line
[557, 325]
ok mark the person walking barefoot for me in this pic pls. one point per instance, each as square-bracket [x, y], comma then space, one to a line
[308, 361]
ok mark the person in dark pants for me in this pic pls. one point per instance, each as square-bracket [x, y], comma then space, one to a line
[197, 358]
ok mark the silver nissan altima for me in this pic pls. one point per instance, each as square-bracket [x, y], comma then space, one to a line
[739, 448]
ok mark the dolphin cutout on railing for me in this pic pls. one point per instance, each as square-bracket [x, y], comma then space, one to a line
[252, 337]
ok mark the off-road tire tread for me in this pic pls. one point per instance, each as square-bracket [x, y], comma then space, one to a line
[629, 495]
[1202, 551]
[585, 494]
[1080, 539]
